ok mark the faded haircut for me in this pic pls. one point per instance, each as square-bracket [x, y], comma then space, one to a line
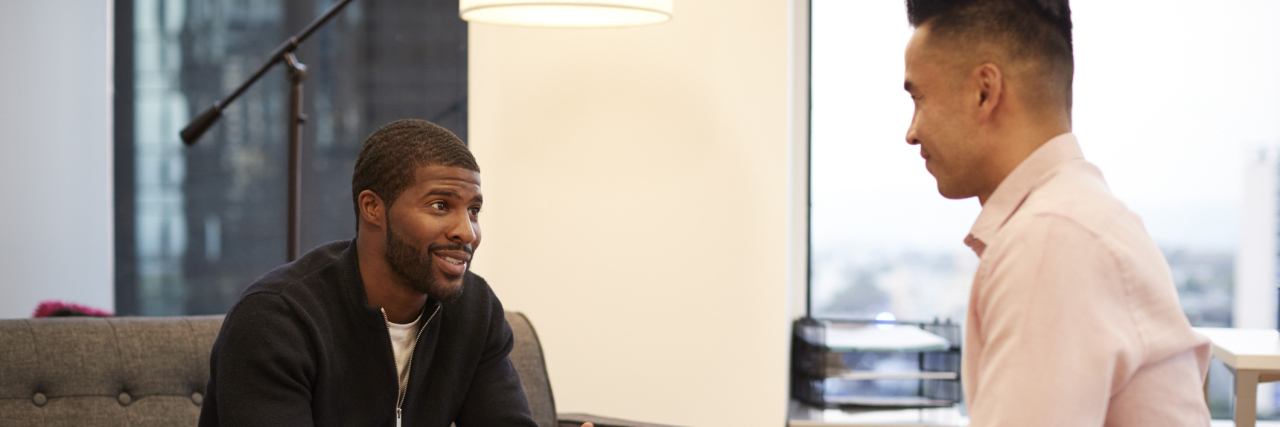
[1036, 30]
[391, 156]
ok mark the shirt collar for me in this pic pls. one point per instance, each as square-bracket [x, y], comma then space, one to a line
[1018, 185]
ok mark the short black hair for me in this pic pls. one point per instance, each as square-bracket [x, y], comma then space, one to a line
[392, 155]
[1025, 29]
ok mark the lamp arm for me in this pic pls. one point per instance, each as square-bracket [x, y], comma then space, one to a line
[209, 116]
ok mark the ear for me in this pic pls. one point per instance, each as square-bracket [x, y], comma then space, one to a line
[372, 210]
[990, 79]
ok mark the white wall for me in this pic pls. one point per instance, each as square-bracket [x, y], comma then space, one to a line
[638, 205]
[55, 154]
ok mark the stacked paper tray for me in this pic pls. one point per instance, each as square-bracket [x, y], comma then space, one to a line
[876, 364]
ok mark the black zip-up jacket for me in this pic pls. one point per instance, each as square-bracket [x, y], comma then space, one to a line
[302, 347]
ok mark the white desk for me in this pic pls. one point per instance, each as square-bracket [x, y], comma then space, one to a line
[1254, 356]
[802, 415]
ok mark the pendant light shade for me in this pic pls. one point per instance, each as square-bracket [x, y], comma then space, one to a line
[566, 13]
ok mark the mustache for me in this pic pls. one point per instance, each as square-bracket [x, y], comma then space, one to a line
[434, 247]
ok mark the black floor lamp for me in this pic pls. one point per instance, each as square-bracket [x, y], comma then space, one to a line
[297, 72]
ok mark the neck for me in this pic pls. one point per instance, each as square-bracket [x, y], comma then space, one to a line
[384, 287]
[1012, 147]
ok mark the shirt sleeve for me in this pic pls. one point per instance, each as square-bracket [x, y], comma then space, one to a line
[260, 370]
[495, 397]
[1057, 335]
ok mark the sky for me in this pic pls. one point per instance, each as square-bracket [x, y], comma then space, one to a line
[1170, 97]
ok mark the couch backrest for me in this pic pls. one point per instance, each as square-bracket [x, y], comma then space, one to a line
[152, 371]
[527, 356]
[88, 371]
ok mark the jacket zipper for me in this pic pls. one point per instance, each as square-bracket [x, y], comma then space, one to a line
[400, 393]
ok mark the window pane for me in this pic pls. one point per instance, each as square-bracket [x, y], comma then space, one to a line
[210, 218]
[883, 240]
[1175, 102]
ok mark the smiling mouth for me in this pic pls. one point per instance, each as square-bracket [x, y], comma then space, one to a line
[451, 263]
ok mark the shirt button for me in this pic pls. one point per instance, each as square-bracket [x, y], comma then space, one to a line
[197, 398]
[39, 399]
[124, 398]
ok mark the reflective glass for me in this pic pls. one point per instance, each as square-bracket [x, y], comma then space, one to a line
[1176, 103]
[209, 219]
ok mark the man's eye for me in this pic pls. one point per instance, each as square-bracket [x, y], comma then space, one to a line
[475, 210]
[437, 205]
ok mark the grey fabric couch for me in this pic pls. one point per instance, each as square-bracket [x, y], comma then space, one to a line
[152, 371]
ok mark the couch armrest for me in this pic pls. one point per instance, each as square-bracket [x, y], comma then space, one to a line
[576, 420]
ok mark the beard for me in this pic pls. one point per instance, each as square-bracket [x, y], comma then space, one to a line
[414, 265]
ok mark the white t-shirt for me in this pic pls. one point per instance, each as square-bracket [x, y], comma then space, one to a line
[402, 340]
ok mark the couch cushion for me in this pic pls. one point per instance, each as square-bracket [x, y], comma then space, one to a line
[88, 371]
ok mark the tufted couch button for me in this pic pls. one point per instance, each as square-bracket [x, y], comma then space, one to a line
[124, 398]
[197, 398]
[39, 399]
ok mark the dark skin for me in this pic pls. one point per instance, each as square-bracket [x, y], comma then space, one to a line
[441, 207]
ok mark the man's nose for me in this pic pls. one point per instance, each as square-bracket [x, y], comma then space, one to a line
[911, 132]
[462, 231]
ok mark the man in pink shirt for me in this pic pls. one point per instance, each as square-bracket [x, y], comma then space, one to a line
[1073, 317]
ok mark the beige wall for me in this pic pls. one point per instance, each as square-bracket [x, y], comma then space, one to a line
[638, 207]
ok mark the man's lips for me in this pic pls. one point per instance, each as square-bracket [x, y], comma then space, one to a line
[453, 263]
[928, 160]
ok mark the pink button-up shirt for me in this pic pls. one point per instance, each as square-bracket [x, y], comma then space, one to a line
[1073, 317]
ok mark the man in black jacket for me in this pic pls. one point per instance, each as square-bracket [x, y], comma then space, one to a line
[390, 328]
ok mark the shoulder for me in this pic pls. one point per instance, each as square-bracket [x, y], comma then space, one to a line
[476, 315]
[1076, 194]
[305, 291]
[261, 314]
[1075, 205]
[477, 283]
[1060, 230]
[1076, 251]
[1073, 233]
[263, 323]
[313, 270]
[476, 300]
[258, 306]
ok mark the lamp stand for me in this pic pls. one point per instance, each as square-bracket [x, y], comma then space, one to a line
[297, 72]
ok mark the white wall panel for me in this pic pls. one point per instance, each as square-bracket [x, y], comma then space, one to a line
[55, 154]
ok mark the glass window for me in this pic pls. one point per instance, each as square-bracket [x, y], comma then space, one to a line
[1176, 102]
[200, 223]
[882, 238]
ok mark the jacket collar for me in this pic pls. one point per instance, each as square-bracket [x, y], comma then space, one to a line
[356, 297]
[1009, 195]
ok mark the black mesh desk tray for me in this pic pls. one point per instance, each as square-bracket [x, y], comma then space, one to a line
[875, 376]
